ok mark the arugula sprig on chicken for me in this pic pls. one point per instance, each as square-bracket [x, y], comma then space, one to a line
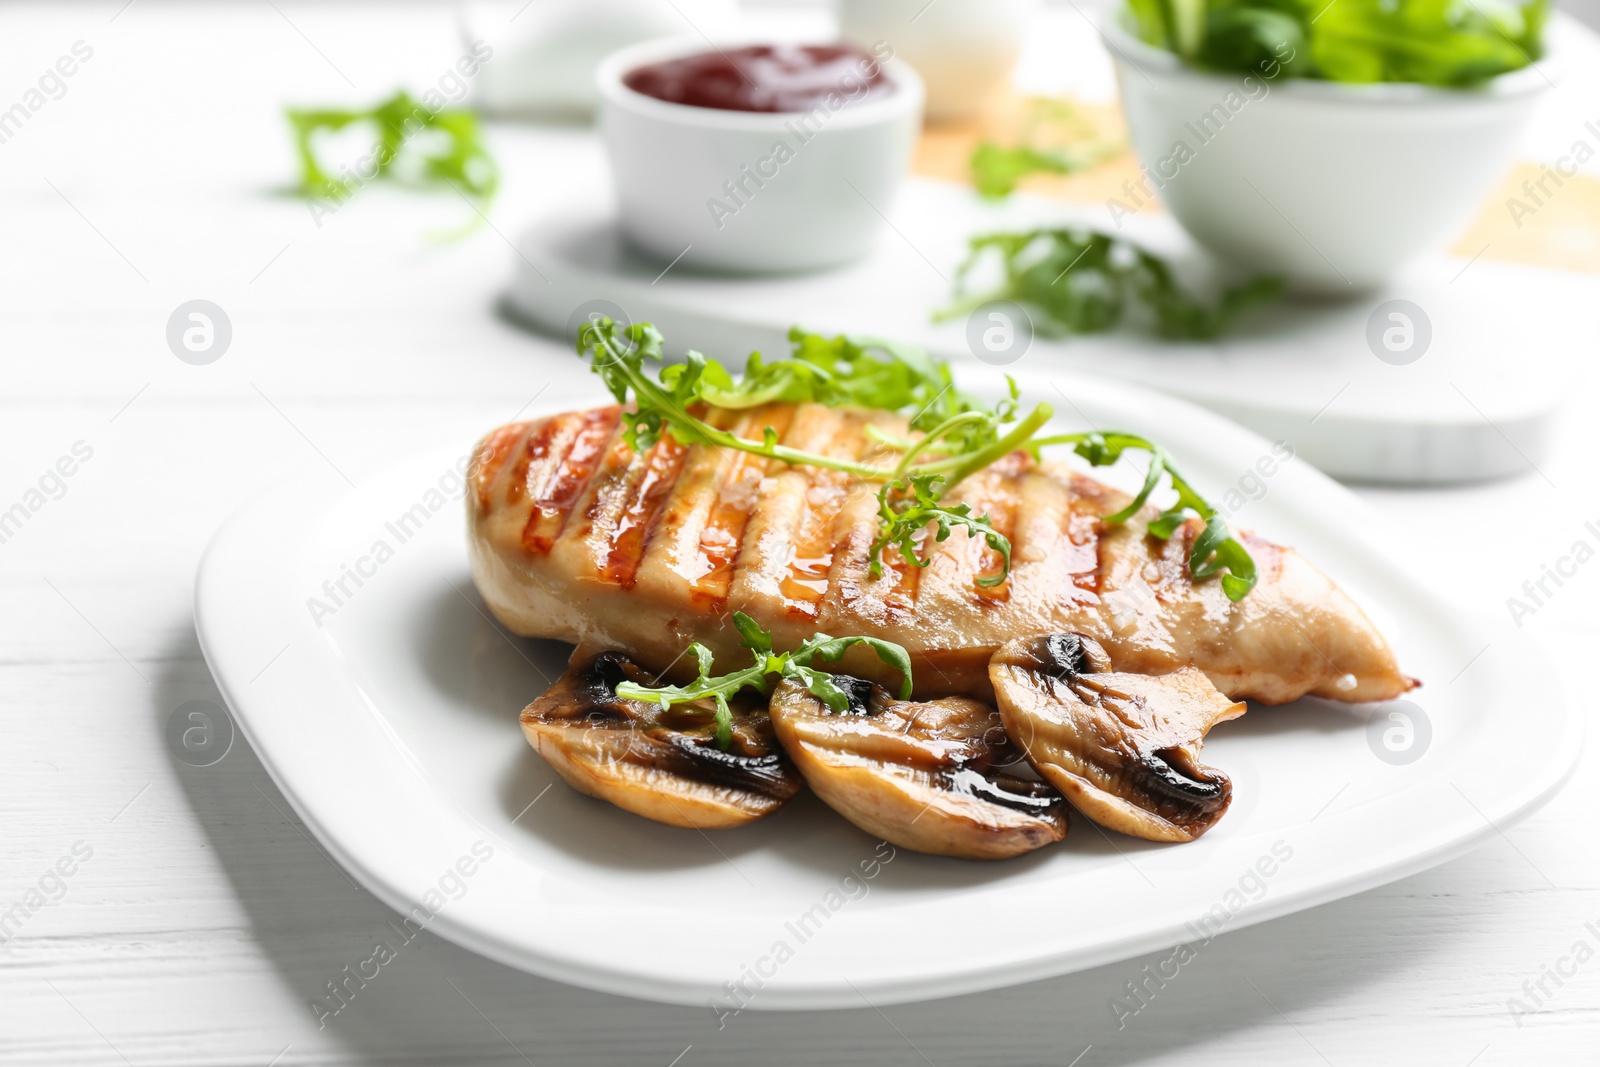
[955, 435]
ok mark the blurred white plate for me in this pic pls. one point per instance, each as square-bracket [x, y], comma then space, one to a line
[391, 726]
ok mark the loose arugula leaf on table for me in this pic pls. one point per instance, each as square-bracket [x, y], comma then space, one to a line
[796, 664]
[1082, 281]
[958, 438]
[414, 146]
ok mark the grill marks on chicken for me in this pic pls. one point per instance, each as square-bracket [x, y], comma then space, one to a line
[814, 496]
[734, 525]
[568, 478]
[730, 500]
[576, 537]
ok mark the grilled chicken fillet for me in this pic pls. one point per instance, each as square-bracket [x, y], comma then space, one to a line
[576, 537]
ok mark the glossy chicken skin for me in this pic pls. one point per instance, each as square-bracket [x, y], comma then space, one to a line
[576, 537]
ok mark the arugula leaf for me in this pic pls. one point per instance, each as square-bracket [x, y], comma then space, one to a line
[1187, 19]
[1068, 275]
[757, 676]
[959, 437]
[1150, 22]
[1054, 140]
[1214, 551]
[864, 371]
[1253, 39]
[751, 635]
[997, 170]
[1430, 42]
[618, 355]
[907, 510]
[1081, 281]
[832, 649]
[414, 146]
[1180, 316]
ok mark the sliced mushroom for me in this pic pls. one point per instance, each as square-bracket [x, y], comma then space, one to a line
[664, 764]
[1124, 748]
[925, 775]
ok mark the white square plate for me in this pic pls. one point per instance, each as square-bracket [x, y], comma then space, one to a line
[388, 716]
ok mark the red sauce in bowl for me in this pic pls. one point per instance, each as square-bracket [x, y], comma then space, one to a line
[770, 78]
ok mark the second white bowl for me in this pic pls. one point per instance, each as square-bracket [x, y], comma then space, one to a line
[1334, 186]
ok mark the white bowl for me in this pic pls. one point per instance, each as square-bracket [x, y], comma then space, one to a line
[1333, 186]
[822, 205]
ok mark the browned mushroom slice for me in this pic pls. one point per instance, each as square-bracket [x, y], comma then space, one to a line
[664, 764]
[924, 775]
[1124, 748]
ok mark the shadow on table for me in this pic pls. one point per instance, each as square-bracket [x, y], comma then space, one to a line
[435, 1003]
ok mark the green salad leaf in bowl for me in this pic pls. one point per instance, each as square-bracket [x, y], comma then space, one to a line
[1429, 42]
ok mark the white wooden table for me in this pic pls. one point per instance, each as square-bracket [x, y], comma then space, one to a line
[200, 920]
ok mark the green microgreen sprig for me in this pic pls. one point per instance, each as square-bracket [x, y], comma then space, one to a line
[1214, 552]
[1430, 42]
[908, 509]
[414, 145]
[1080, 281]
[959, 436]
[1054, 139]
[766, 665]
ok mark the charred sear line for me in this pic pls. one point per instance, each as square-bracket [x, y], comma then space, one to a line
[858, 691]
[534, 451]
[1190, 799]
[589, 694]
[611, 669]
[489, 462]
[642, 511]
[924, 775]
[1018, 794]
[560, 490]
[702, 760]
[1067, 654]
[686, 746]
[1166, 777]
